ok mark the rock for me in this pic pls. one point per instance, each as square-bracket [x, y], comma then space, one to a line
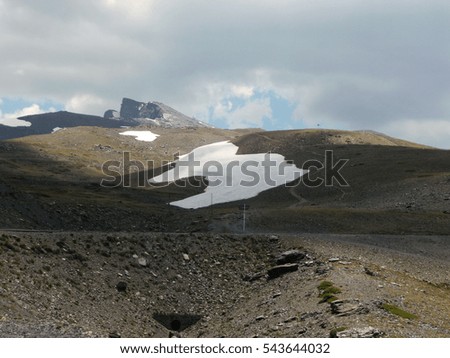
[333, 259]
[342, 308]
[121, 286]
[322, 270]
[280, 270]
[111, 114]
[370, 272]
[260, 318]
[114, 335]
[142, 262]
[155, 113]
[253, 277]
[290, 256]
[364, 332]
[186, 257]
[290, 319]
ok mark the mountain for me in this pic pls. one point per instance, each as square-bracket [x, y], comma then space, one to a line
[153, 113]
[132, 114]
[48, 122]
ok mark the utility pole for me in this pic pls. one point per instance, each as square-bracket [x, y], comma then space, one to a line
[211, 207]
[243, 208]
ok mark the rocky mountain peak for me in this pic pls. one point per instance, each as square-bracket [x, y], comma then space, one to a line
[153, 113]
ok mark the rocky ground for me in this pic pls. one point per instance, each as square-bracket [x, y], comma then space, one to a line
[93, 284]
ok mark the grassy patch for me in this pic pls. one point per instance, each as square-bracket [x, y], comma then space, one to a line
[398, 311]
[328, 292]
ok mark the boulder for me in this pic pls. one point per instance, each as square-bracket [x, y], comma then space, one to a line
[112, 114]
[342, 308]
[290, 256]
[280, 270]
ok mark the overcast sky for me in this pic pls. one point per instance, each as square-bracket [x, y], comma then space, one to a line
[347, 64]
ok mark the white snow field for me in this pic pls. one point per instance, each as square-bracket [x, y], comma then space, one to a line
[145, 136]
[230, 176]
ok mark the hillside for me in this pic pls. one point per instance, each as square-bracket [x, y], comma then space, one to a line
[92, 284]
[81, 259]
[63, 171]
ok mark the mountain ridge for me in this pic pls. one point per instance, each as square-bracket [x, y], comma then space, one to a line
[132, 114]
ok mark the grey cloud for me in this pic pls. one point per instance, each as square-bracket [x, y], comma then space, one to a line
[356, 64]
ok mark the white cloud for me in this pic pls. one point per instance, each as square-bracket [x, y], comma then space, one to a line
[10, 119]
[135, 9]
[242, 91]
[86, 103]
[251, 114]
[348, 64]
[434, 132]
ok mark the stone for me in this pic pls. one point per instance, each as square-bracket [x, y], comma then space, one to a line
[253, 277]
[342, 308]
[111, 114]
[121, 286]
[290, 256]
[280, 270]
[369, 272]
[186, 257]
[142, 262]
[364, 332]
[333, 259]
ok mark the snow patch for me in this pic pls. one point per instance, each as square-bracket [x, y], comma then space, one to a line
[144, 136]
[230, 176]
[56, 129]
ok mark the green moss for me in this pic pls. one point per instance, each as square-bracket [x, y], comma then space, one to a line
[324, 285]
[328, 292]
[398, 311]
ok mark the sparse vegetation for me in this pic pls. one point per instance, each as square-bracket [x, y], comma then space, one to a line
[328, 292]
[398, 311]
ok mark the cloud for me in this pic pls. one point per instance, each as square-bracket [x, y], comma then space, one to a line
[10, 119]
[436, 131]
[87, 103]
[345, 64]
[251, 114]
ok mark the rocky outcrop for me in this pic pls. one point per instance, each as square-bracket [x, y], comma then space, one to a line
[156, 113]
[364, 332]
[111, 114]
[290, 256]
[280, 270]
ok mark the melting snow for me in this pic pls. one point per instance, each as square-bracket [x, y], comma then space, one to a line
[230, 176]
[145, 136]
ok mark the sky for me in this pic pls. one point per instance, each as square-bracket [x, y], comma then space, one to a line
[375, 65]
